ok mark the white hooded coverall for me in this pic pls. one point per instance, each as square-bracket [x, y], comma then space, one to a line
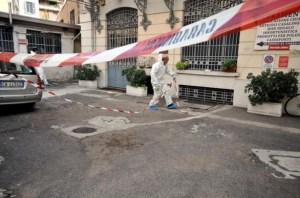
[157, 80]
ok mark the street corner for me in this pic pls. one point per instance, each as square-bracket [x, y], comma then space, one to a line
[286, 164]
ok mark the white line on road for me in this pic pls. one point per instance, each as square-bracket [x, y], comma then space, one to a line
[285, 162]
[257, 124]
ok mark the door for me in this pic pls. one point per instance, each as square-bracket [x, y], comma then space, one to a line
[122, 26]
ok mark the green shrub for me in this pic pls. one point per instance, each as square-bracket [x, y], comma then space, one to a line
[88, 72]
[135, 77]
[229, 65]
[271, 86]
[182, 65]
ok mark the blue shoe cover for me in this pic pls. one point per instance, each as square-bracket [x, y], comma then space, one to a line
[172, 106]
[153, 108]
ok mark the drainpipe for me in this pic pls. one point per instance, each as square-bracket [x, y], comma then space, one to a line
[10, 12]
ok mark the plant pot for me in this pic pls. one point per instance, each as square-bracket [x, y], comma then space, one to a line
[88, 84]
[267, 108]
[136, 91]
[231, 69]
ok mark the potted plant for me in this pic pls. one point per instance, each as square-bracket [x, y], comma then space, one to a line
[269, 89]
[182, 65]
[87, 75]
[137, 81]
[229, 65]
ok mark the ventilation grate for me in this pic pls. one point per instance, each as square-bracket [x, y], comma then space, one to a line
[206, 95]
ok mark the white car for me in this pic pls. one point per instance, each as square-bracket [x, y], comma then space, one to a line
[19, 85]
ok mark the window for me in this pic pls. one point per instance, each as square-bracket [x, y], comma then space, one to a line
[72, 17]
[43, 42]
[211, 54]
[6, 39]
[7, 68]
[29, 7]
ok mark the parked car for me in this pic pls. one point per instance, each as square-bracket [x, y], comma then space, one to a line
[19, 85]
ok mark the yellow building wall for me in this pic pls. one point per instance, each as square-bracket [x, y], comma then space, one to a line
[64, 13]
[48, 15]
[157, 13]
[249, 60]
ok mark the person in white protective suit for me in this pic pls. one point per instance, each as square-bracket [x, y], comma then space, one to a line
[158, 71]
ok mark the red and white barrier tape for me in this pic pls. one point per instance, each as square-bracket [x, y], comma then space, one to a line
[103, 108]
[244, 16]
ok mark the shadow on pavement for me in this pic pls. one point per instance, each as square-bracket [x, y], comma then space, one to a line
[7, 110]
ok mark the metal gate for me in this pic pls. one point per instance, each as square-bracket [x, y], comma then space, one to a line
[206, 95]
[122, 27]
[211, 54]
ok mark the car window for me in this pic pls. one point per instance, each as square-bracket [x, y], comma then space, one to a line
[15, 69]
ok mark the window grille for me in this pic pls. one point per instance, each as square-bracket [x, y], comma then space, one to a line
[6, 39]
[206, 95]
[43, 42]
[211, 54]
[122, 27]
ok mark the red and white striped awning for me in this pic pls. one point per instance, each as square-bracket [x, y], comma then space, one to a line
[249, 14]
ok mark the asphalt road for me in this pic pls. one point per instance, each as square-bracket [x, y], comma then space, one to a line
[160, 154]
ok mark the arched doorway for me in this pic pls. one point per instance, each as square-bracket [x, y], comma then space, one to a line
[122, 29]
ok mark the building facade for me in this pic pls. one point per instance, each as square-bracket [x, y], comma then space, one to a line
[24, 34]
[49, 9]
[69, 12]
[22, 7]
[44, 9]
[109, 24]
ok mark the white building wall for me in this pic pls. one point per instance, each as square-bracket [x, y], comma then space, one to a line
[23, 11]
[56, 73]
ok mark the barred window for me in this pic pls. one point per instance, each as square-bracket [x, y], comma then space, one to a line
[43, 42]
[211, 54]
[6, 39]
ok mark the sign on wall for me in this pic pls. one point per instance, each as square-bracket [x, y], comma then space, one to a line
[281, 34]
[22, 42]
[268, 61]
[283, 62]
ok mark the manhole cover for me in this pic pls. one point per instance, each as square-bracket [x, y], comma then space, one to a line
[84, 130]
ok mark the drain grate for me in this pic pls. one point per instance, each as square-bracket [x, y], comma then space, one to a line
[84, 130]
